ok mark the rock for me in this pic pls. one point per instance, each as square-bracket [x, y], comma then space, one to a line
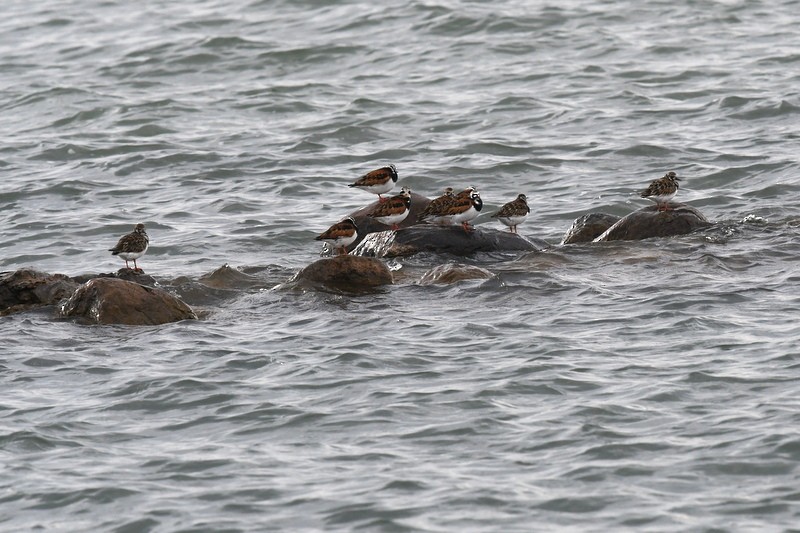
[588, 227]
[453, 273]
[26, 289]
[228, 277]
[445, 239]
[116, 301]
[347, 272]
[136, 276]
[127, 274]
[649, 222]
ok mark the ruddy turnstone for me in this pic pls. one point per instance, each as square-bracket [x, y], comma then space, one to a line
[433, 212]
[662, 190]
[464, 208]
[340, 235]
[132, 246]
[443, 217]
[513, 212]
[393, 210]
[378, 181]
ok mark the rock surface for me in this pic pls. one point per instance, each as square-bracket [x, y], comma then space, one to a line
[26, 289]
[453, 273]
[228, 277]
[649, 222]
[347, 272]
[128, 274]
[116, 301]
[588, 227]
[445, 239]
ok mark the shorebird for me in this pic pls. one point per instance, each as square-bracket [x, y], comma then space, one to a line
[132, 246]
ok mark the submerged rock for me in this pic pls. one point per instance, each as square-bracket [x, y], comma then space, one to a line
[27, 288]
[116, 301]
[649, 222]
[453, 273]
[445, 239]
[346, 271]
[588, 227]
[228, 277]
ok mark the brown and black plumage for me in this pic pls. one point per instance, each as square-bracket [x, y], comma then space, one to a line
[662, 190]
[394, 210]
[513, 213]
[434, 210]
[378, 181]
[340, 235]
[464, 208]
[132, 246]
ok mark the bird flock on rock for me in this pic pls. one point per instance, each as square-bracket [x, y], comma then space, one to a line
[448, 209]
[453, 208]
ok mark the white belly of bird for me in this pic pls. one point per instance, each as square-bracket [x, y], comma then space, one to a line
[341, 242]
[663, 198]
[466, 216]
[380, 188]
[512, 221]
[393, 219]
[130, 256]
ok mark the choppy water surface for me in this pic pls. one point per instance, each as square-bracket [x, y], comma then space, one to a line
[645, 386]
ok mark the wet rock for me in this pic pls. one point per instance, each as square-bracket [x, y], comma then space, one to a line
[649, 222]
[115, 301]
[136, 276]
[228, 277]
[445, 239]
[212, 289]
[26, 289]
[346, 271]
[588, 227]
[453, 273]
[127, 274]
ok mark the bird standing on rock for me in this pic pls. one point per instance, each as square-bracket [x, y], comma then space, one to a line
[394, 210]
[513, 213]
[132, 246]
[662, 190]
[434, 211]
[340, 235]
[465, 206]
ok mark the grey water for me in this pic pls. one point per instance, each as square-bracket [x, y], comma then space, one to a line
[639, 386]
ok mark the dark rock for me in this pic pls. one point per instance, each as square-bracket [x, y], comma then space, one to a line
[228, 277]
[347, 272]
[453, 273]
[136, 276]
[127, 274]
[445, 239]
[649, 222]
[588, 227]
[26, 289]
[115, 301]
[213, 288]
